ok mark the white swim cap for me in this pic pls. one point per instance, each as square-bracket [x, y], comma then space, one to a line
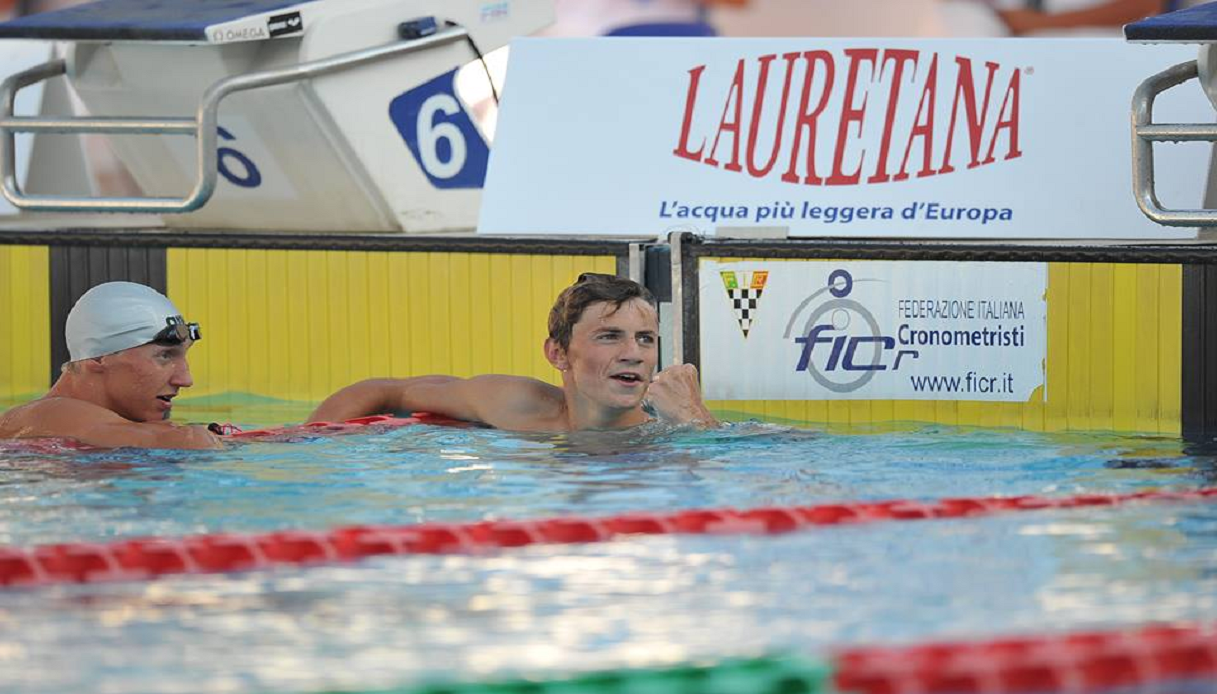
[115, 316]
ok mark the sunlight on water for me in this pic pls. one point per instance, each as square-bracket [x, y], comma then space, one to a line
[427, 473]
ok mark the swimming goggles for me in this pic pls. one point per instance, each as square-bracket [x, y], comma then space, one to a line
[177, 330]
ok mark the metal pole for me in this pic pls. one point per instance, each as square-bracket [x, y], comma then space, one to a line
[1145, 133]
[675, 242]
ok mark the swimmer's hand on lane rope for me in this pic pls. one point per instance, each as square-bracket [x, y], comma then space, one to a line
[223, 429]
[675, 395]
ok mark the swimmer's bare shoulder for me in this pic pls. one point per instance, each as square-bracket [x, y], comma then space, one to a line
[87, 423]
[517, 403]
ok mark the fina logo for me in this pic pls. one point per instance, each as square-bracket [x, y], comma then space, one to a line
[830, 350]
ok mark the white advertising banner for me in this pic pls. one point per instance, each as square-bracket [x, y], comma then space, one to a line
[872, 330]
[947, 138]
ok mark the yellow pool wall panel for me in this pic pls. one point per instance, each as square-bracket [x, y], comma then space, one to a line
[25, 335]
[299, 325]
[1113, 363]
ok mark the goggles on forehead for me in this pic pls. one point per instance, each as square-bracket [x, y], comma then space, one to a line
[177, 330]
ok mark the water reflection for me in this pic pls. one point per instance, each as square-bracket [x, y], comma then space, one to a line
[548, 611]
[428, 473]
[1192, 455]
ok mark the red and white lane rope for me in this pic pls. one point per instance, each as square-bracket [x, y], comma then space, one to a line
[1142, 659]
[350, 426]
[148, 558]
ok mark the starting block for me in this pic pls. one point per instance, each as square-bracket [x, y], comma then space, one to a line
[1192, 25]
[328, 115]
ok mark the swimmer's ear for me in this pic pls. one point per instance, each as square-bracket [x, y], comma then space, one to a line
[556, 355]
[93, 365]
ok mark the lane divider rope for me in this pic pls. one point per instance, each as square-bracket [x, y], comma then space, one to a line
[1158, 658]
[1093, 661]
[148, 558]
[350, 426]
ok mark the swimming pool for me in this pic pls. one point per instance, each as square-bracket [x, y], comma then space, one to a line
[552, 610]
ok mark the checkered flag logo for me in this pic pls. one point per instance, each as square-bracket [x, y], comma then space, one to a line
[744, 290]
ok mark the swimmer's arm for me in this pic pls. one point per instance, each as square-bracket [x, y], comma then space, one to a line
[97, 426]
[500, 401]
[391, 395]
[150, 435]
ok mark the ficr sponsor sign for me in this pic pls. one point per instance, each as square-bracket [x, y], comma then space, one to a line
[814, 330]
[831, 137]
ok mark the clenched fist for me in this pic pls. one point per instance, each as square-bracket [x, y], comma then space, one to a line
[676, 396]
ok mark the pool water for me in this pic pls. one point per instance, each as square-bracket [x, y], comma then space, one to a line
[553, 610]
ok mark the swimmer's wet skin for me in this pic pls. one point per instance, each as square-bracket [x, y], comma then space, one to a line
[603, 339]
[127, 344]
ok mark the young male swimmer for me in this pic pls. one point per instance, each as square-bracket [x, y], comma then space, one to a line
[603, 338]
[128, 347]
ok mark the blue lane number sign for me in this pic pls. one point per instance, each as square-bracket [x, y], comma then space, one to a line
[440, 134]
[234, 166]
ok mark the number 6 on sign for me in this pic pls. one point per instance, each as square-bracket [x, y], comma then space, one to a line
[440, 134]
[248, 175]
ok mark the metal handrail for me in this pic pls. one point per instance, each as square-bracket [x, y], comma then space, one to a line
[1145, 133]
[676, 242]
[203, 126]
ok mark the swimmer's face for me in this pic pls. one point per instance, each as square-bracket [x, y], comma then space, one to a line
[613, 353]
[140, 383]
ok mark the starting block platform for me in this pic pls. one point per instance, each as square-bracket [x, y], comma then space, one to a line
[1187, 26]
[1190, 25]
[151, 20]
[330, 115]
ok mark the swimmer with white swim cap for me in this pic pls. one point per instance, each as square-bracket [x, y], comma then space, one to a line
[127, 344]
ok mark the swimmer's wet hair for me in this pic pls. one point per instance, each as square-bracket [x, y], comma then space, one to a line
[591, 288]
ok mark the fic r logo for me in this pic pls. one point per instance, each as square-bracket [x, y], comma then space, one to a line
[842, 345]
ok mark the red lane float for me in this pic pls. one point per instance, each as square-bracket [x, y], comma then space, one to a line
[1074, 662]
[54, 446]
[139, 559]
[350, 426]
